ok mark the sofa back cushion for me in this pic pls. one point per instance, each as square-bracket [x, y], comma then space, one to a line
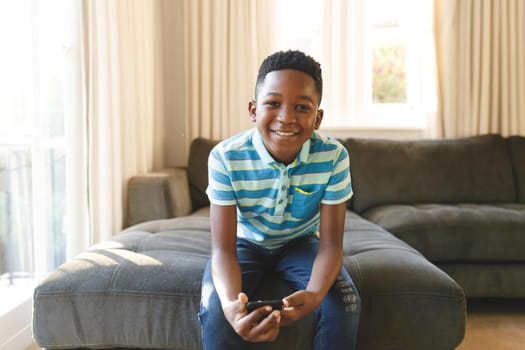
[464, 170]
[517, 154]
[200, 149]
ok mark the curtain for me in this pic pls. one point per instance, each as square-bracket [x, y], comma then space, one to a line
[124, 113]
[480, 49]
[338, 62]
[225, 42]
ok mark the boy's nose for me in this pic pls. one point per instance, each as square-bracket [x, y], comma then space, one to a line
[287, 115]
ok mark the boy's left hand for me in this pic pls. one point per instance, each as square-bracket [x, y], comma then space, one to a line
[298, 305]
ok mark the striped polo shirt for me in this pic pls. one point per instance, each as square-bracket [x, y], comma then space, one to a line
[277, 202]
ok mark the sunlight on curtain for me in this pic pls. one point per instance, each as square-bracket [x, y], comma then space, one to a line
[124, 103]
[481, 70]
[225, 42]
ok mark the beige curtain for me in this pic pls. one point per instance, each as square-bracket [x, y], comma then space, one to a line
[124, 103]
[225, 42]
[480, 46]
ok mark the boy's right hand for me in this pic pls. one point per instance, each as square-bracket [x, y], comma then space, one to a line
[260, 325]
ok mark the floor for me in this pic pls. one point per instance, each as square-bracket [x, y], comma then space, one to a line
[495, 325]
[491, 325]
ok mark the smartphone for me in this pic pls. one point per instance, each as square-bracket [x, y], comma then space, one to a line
[275, 304]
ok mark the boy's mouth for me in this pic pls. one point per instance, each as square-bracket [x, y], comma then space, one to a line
[285, 133]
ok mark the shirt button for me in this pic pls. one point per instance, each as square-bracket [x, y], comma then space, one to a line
[280, 201]
[283, 188]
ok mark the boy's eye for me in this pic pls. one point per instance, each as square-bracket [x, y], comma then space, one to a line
[303, 108]
[272, 103]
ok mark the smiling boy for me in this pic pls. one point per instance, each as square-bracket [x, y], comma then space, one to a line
[278, 196]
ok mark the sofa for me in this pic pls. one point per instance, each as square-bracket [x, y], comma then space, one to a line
[459, 202]
[429, 221]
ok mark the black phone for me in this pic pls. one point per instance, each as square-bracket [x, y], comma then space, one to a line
[275, 304]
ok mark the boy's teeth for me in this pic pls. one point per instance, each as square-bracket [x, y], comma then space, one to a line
[284, 133]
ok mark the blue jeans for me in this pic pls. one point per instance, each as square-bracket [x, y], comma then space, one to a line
[336, 319]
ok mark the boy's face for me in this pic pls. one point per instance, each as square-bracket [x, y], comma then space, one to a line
[286, 112]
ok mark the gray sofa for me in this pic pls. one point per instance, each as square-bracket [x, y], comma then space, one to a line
[457, 204]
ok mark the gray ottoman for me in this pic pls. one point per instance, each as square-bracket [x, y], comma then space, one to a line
[142, 290]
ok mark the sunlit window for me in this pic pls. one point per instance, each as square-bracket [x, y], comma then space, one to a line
[300, 25]
[32, 141]
[377, 57]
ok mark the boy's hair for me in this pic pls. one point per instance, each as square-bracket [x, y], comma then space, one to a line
[291, 59]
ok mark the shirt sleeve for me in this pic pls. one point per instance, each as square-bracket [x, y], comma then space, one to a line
[339, 188]
[220, 190]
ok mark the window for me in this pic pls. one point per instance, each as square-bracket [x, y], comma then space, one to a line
[32, 157]
[40, 104]
[376, 55]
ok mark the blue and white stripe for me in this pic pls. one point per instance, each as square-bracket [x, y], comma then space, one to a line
[277, 203]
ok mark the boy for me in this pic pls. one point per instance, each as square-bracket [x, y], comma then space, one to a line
[278, 196]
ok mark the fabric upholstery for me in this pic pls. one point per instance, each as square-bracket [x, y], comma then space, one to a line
[466, 233]
[198, 171]
[159, 195]
[466, 170]
[154, 191]
[484, 280]
[517, 153]
[142, 290]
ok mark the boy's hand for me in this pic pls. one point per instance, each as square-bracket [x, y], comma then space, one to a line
[298, 305]
[260, 325]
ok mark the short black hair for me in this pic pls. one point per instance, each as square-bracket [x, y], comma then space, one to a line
[291, 59]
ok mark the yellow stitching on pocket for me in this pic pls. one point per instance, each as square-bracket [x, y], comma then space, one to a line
[302, 192]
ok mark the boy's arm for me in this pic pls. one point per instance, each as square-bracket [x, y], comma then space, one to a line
[329, 260]
[326, 267]
[225, 266]
[259, 325]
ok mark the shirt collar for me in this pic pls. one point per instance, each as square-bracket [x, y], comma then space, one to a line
[302, 156]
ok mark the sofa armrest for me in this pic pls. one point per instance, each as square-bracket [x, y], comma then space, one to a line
[160, 195]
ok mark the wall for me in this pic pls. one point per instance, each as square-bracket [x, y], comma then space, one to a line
[380, 133]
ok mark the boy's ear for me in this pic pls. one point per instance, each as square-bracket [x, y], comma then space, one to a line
[318, 118]
[252, 108]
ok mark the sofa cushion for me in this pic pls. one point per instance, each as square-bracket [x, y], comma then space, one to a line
[198, 171]
[473, 169]
[466, 233]
[517, 154]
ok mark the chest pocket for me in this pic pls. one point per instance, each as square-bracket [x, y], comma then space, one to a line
[304, 203]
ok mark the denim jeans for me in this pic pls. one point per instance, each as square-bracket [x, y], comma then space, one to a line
[336, 320]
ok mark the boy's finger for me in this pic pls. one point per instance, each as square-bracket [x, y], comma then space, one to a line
[296, 299]
[292, 300]
[259, 325]
[242, 299]
[250, 320]
[257, 315]
[268, 328]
